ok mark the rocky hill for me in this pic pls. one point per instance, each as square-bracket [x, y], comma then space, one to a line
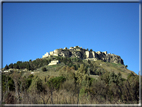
[75, 74]
[81, 53]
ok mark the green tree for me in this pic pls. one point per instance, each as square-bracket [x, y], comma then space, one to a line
[11, 65]
[56, 82]
[44, 69]
[16, 66]
[6, 67]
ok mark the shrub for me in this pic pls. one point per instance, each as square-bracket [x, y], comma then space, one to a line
[56, 82]
[6, 67]
[11, 65]
[44, 69]
[36, 84]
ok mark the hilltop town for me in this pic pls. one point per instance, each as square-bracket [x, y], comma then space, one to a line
[81, 53]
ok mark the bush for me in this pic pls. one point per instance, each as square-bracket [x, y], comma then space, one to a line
[6, 67]
[35, 84]
[44, 69]
[56, 82]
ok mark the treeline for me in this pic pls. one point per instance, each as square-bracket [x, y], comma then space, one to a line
[32, 65]
[71, 87]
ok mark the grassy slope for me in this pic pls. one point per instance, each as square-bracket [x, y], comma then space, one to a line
[54, 69]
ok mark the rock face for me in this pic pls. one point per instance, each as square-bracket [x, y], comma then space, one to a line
[81, 53]
[46, 55]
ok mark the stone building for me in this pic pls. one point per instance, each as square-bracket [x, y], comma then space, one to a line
[54, 62]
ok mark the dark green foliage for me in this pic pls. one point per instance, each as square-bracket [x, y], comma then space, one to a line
[31, 65]
[28, 81]
[75, 67]
[35, 84]
[7, 82]
[89, 61]
[44, 69]
[6, 67]
[70, 64]
[130, 75]
[11, 65]
[16, 66]
[65, 60]
[84, 56]
[126, 66]
[91, 50]
[56, 82]
[66, 48]
[77, 47]
[28, 66]
[31, 76]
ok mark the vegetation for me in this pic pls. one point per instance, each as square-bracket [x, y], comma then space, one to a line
[44, 69]
[73, 81]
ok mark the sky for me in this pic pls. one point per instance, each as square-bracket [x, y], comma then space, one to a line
[32, 29]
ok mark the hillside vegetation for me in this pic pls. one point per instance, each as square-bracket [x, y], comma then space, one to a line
[72, 81]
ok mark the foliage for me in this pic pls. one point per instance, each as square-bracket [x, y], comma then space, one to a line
[126, 66]
[36, 84]
[31, 65]
[75, 79]
[130, 75]
[44, 69]
[7, 81]
[56, 82]
[6, 67]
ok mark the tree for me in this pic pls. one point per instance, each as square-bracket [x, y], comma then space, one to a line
[77, 46]
[6, 67]
[16, 66]
[65, 48]
[44, 69]
[55, 83]
[11, 65]
[16, 76]
[91, 50]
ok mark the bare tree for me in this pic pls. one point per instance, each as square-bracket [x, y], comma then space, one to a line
[16, 76]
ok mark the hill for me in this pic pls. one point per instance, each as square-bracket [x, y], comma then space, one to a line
[82, 76]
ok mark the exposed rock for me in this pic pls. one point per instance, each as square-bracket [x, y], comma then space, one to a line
[87, 54]
[77, 54]
[46, 55]
[52, 52]
[84, 54]
[6, 71]
[32, 72]
[105, 52]
[98, 52]
[65, 48]
[71, 47]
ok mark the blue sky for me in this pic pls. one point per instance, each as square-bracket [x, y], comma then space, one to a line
[32, 29]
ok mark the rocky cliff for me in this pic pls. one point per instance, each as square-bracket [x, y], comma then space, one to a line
[81, 53]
